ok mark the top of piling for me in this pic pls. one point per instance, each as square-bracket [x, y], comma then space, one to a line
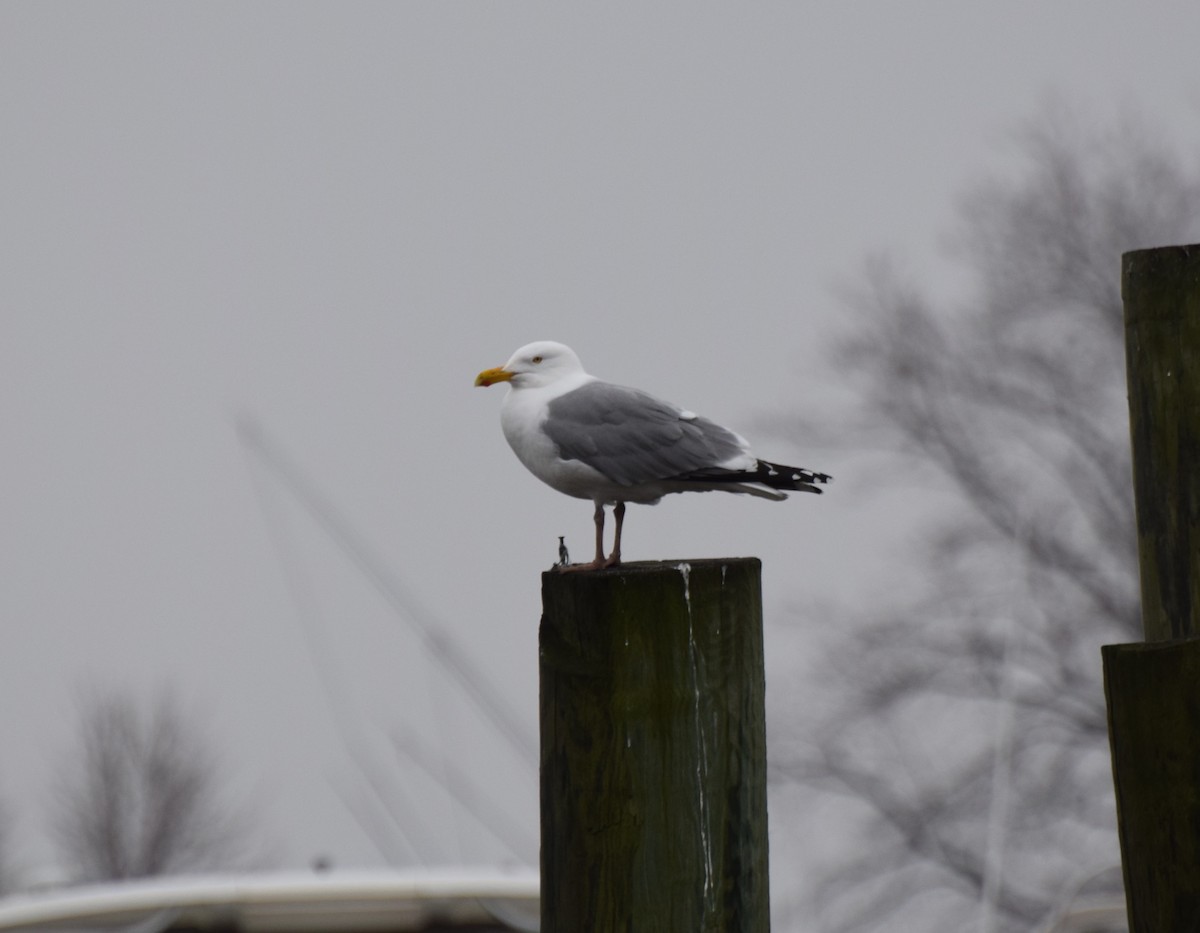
[644, 567]
[1157, 283]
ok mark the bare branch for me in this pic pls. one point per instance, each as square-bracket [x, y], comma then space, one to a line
[138, 796]
[1015, 396]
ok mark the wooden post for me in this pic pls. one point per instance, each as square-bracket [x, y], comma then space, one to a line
[1161, 288]
[1153, 689]
[653, 749]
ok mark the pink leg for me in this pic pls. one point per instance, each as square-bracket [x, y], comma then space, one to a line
[615, 557]
[599, 520]
[619, 513]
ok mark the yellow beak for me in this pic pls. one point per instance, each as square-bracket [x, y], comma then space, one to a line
[492, 376]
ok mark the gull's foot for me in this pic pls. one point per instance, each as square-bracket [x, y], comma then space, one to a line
[590, 565]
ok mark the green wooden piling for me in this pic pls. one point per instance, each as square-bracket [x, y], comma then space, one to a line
[1153, 689]
[653, 749]
[1161, 288]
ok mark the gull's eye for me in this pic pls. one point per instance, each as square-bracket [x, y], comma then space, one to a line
[536, 359]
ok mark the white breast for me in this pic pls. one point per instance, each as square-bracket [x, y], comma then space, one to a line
[521, 416]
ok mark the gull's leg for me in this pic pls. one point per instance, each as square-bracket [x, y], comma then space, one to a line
[598, 518]
[615, 557]
[599, 561]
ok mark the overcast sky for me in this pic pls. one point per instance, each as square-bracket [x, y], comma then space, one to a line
[328, 217]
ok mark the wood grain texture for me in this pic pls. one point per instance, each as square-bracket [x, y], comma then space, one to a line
[653, 749]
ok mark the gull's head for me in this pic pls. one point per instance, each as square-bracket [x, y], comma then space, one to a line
[535, 364]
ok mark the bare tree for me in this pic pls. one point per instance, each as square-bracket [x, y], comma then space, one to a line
[967, 725]
[139, 795]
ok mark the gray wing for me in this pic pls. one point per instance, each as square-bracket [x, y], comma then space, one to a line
[632, 437]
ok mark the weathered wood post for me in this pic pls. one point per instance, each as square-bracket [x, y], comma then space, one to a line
[1153, 689]
[653, 749]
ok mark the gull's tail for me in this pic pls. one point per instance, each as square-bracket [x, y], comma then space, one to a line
[765, 473]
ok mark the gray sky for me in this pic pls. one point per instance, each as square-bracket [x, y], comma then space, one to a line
[330, 217]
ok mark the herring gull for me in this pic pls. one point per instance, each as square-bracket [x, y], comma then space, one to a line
[611, 444]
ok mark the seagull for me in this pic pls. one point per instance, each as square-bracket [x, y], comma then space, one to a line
[611, 444]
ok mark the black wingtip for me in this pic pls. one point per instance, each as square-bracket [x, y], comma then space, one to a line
[765, 473]
[780, 476]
